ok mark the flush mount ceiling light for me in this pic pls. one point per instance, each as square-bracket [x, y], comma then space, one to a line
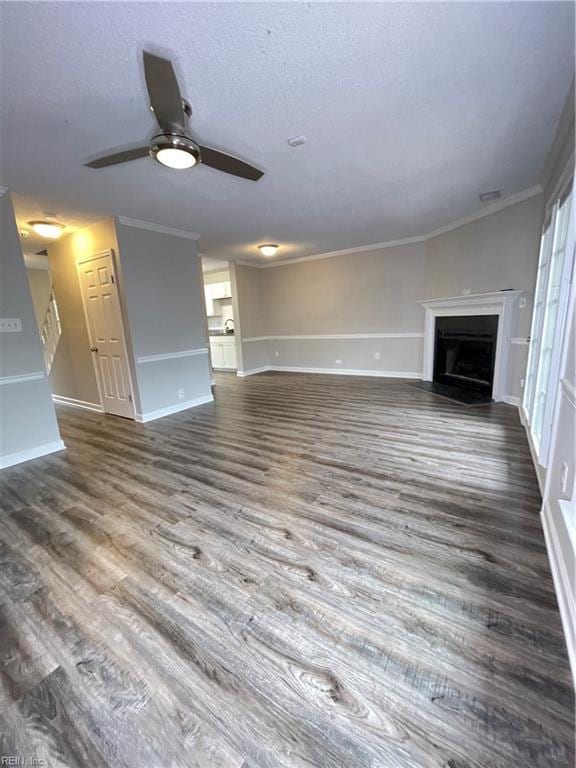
[47, 228]
[268, 249]
[174, 151]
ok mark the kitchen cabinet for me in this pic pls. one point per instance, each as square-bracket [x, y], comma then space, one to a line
[213, 292]
[223, 352]
[220, 290]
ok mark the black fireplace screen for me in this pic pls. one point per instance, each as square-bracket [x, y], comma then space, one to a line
[465, 351]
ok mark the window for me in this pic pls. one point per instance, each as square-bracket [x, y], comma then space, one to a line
[550, 303]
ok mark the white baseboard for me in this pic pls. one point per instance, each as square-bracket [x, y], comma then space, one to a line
[10, 459]
[538, 468]
[562, 584]
[350, 372]
[73, 403]
[171, 409]
[252, 371]
[337, 371]
[511, 400]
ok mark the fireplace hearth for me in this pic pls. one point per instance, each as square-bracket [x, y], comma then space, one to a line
[464, 358]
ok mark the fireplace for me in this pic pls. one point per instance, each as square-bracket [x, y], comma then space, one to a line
[465, 352]
[501, 306]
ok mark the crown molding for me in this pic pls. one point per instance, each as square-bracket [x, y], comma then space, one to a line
[488, 210]
[139, 224]
[500, 205]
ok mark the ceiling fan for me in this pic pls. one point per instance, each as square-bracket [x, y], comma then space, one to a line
[173, 146]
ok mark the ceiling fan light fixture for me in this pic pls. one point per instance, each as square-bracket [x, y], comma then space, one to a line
[50, 229]
[177, 152]
[268, 249]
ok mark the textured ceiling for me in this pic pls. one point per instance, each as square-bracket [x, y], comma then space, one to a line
[409, 110]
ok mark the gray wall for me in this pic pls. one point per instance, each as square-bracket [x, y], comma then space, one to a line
[28, 424]
[40, 286]
[562, 148]
[366, 292]
[377, 292]
[250, 321]
[72, 372]
[371, 292]
[495, 252]
[162, 285]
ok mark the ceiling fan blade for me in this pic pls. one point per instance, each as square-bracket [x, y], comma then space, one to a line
[223, 162]
[165, 98]
[119, 157]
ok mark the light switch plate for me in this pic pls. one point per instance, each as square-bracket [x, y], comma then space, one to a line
[521, 302]
[10, 325]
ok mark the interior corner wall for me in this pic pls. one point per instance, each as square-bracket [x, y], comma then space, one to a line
[28, 426]
[250, 321]
[161, 280]
[493, 253]
[360, 313]
[73, 375]
[561, 153]
[40, 284]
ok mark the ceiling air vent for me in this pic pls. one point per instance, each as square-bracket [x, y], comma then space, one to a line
[487, 197]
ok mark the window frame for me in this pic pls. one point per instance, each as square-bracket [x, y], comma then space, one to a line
[542, 440]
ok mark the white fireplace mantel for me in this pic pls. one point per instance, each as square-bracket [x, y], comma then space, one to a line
[501, 303]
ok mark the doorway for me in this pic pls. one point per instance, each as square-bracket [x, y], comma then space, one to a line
[220, 314]
[99, 290]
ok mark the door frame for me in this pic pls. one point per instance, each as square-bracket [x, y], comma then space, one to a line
[83, 260]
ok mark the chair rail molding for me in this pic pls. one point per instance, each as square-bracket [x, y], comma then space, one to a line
[501, 303]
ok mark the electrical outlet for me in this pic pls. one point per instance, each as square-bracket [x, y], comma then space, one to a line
[522, 382]
[180, 394]
[376, 355]
[276, 353]
[338, 362]
[564, 477]
[10, 325]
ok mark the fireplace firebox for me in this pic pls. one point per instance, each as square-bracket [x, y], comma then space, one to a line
[465, 352]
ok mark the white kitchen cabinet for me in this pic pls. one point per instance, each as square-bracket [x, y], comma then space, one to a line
[217, 353]
[230, 355]
[213, 292]
[223, 352]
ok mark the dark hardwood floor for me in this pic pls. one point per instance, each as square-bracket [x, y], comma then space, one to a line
[313, 571]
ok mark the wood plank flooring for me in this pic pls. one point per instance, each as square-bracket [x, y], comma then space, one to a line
[313, 571]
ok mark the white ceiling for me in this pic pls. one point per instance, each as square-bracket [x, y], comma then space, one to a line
[409, 110]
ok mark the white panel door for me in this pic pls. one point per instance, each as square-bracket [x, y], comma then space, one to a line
[106, 333]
